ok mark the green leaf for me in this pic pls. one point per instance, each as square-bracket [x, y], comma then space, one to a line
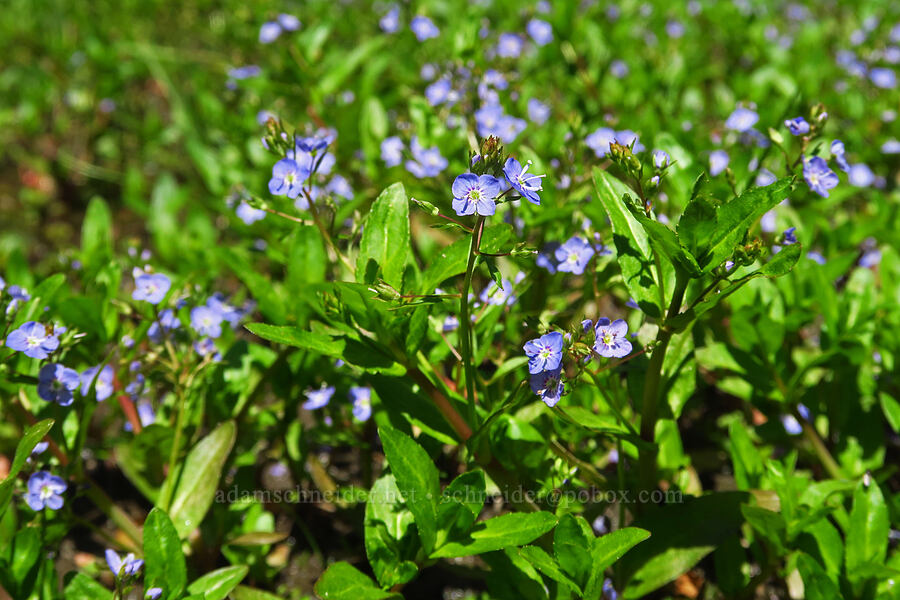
[512, 529]
[683, 533]
[733, 220]
[664, 239]
[417, 479]
[386, 541]
[199, 478]
[631, 242]
[780, 264]
[257, 538]
[164, 561]
[606, 550]
[242, 592]
[891, 409]
[385, 238]
[217, 584]
[29, 440]
[748, 466]
[869, 526]
[770, 525]
[697, 223]
[816, 584]
[343, 582]
[298, 337]
[452, 260]
[96, 234]
[82, 587]
[25, 556]
[570, 542]
[544, 563]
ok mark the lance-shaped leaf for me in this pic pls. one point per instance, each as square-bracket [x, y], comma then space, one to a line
[513, 529]
[385, 238]
[664, 239]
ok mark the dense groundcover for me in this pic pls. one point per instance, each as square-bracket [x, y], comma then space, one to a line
[445, 300]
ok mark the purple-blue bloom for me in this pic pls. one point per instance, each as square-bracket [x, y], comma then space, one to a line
[627, 137]
[33, 339]
[546, 258]
[362, 402]
[839, 155]
[526, 184]
[509, 45]
[797, 126]
[540, 31]
[545, 352]
[103, 383]
[390, 23]
[573, 255]
[392, 151]
[789, 237]
[56, 383]
[618, 68]
[487, 119]
[475, 194]
[718, 162]
[548, 386]
[883, 78]
[818, 176]
[742, 119]
[495, 295]
[269, 32]
[610, 338]
[816, 257]
[318, 398]
[538, 112]
[424, 28]
[45, 491]
[288, 177]
[426, 162]
[248, 214]
[206, 321]
[860, 175]
[599, 141]
[661, 159]
[245, 72]
[438, 92]
[153, 593]
[166, 321]
[451, 323]
[151, 287]
[288, 22]
[123, 567]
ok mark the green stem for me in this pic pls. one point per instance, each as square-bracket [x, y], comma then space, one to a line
[650, 407]
[174, 471]
[465, 325]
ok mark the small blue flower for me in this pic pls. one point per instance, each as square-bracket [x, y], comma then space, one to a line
[545, 352]
[488, 118]
[269, 32]
[165, 323]
[883, 78]
[424, 28]
[573, 256]
[56, 383]
[426, 162]
[860, 175]
[789, 237]
[661, 159]
[392, 151]
[438, 92]
[609, 592]
[318, 398]
[765, 177]
[245, 72]
[627, 137]
[839, 155]
[818, 176]
[600, 140]
[816, 257]
[494, 295]
[509, 45]
[718, 162]
[248, 214]
[451, 323]
[610, 338]
[288, 22]
[125, 567]
[618, 69]
[546, 258]
[791, 425]
[540, 31]
[287, 178]
[39, 449]
[475, 194]
[207, 347]
[509, 128]
[390, 23]
[151, 287]
[797, 126]
[153, 593]
[33, 339]
[742, 119]
[45, 491]
[206, 321]
[362, 402]
[146, 415]
[548, 386]
[526, 184]
[538, 112]
[102, 382]
[891, 146]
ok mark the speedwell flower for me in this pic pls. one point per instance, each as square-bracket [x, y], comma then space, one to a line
[573, 256]
[123, 567]
[545, 352]
[475, 194]
[287, 178]
[45, 491]
[525, 183]
[103, 382]
[33, 339]
[151, 287]
[610, 340]
[318, 398]
[818, 176]
[548, 385]
[797, 126]
[56, 383]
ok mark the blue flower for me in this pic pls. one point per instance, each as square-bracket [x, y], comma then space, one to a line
[546, 258]
[166, 322]
[718, 162]
[495, 295]
[509, 45]
[56, 383]
[600, 140]
[288, 22]
[509, 128]
[45, 491]
[839, 155]
[438, 92]
[860, 175]
[227, 312]
[451, 323]
[816, 257]
[151, 287]
[153, 593]
[103, 382]
[609, 592]
[288, 177]
[742, 119]
[426, 162]
[269, 32]
[146, 415]
[206, 321]
[540, 31]
[545, 352]
[33, 339]
[661, 159]
[789, 237]
[526, 184]
[538, 112]
[39, 449]
[362, 402]
[475, 194]
[791, 425]
[573, 256]
[424, 28]
[318, 398]
[248, 214]
[548, 386]
[883, 78]
[390, 22]
[891, 146]
[818, 176]
[618, 68]
[487, 119]
[123, 567]
[392, 151]
[627, 137]
[765, 177]
[797, 126]
[610, 338]
[207, 347]
[245, 72]
[339, 186]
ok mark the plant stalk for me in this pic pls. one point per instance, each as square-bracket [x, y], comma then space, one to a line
[465, 324]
